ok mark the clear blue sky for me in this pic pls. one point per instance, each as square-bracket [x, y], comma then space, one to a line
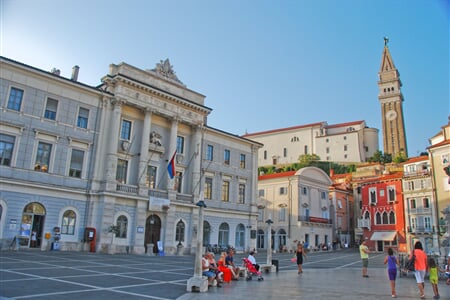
[261, 64]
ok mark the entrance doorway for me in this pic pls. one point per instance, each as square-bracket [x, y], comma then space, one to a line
[32, 225]
[152, 233]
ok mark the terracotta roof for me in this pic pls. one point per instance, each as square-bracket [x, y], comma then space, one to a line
[446, 142]
[394, 176]
[276, 175]
[416, 159]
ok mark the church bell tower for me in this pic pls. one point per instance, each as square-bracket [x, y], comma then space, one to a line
[391, 99]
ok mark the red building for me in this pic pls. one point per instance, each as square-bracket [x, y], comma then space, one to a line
[382, 212]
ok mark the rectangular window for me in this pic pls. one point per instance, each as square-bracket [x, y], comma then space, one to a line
[284, 152]
[412, 203]
[306, 149]
[282, 214]
[345, 147]
[260, 214]
[178, 181]
[180, 144]
[427, 223]
[226, 191]
[208, 188]
[265, 154]
[327, 150]
[210, 153]
[50, 109]
[283, 190]
[6, 149]
[226, 157]
[125, 130]
[242, 193]
[122, 170]
[242, 161]
[151, 177]
[76, 163]
[323, 195]
[426, 203]
[43, 157]
[83, 117]
[304, 191]
[15, 99]
[261, 193]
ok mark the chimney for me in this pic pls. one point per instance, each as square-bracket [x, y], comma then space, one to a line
[331, 172]
[75, 71]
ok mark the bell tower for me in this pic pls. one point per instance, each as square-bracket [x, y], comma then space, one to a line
[391, 99]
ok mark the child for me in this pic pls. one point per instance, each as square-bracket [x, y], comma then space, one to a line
[392, 262]
[433, 270]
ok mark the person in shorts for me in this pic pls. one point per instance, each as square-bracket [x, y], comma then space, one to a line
[364, 253]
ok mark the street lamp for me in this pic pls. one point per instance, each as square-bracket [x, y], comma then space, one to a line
[198, 283]
[269, 242]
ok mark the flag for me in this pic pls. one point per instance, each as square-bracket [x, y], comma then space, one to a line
[171, 166]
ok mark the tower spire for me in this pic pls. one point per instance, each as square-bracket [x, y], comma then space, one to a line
[391, 99]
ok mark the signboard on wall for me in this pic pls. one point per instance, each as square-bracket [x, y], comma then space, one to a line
[157, 204]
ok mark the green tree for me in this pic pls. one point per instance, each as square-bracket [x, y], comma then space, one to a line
[306, 160]
[401, 157]
[381, 158]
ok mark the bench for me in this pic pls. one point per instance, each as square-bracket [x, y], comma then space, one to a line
[267, 268]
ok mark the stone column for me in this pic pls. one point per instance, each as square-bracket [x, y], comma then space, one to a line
[141, 215]
[143, 159]
[197, 186]
[113, 141]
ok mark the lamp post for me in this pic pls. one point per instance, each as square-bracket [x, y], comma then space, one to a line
[198, 283]
[269, 242]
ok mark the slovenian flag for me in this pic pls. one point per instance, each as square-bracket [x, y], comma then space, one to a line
[171, 166]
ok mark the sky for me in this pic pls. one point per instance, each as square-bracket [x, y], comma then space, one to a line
[261, 64]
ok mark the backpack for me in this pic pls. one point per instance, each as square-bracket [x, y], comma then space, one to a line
[410, 263]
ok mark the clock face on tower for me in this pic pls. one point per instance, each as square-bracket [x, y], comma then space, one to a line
[391, 115]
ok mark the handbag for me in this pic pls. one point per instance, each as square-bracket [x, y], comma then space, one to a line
[410, 263]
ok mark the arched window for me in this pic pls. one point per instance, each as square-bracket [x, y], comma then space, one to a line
[240, 237]
[68, 222]
[391, 217]
[377, 218]
[385, 218]
[366, 215]
[122, 224]
[224, 233]
[179, 234]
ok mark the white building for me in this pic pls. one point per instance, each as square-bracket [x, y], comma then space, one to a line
[346, 143]
[297, 202]
[421, 217]
[77, 157]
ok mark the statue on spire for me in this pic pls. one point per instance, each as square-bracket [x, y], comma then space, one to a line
[386, 40]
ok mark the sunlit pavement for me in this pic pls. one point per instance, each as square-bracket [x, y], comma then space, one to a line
[74, 275]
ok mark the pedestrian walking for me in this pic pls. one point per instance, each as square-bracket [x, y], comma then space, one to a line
[392, 262]
[420, 266]
[364, 253]
[433, 269]
[300, 253]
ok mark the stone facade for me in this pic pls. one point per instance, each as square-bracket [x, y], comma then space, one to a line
[349, 142]
[97, 157]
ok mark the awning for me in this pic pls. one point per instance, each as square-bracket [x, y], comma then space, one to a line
[383, 235]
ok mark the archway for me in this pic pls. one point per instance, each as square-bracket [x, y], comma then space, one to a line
[152, 233]
[32, 223]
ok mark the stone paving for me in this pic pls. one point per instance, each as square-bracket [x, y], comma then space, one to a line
[75, 275]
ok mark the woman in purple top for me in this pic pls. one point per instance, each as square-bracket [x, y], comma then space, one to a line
[392, 262]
